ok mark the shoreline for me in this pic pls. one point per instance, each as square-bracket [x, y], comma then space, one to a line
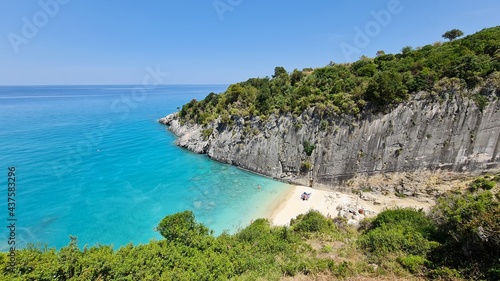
[353, 207]
[332, 203]
[279, 204]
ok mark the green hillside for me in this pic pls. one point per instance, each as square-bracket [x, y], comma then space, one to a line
[372, 84]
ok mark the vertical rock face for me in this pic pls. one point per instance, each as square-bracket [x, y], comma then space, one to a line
[419, 135]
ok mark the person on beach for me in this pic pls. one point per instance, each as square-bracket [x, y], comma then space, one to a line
[305, 196]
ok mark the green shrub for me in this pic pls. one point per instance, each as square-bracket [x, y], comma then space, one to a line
[444, 273]
[181, 227]
[408, 217]
[482, 183]
[306, 166]
[494, 271]
[397, 231]
[386, 88]
[398, 238]
[255, 231]
[298, 125]
[308, 147]
[324, 124]
[469, 230]
[481, 101]
[342, 270]
[412, 263]
[313, 221]
[207, 133]
[496, 178]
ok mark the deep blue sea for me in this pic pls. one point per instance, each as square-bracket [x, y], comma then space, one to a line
[92, 161]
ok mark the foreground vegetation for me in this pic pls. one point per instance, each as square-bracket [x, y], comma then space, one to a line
[369, 84]
[459, 238]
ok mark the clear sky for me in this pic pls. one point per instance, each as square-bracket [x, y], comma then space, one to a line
[213, 41]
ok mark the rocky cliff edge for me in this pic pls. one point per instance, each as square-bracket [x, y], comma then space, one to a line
[448, 135]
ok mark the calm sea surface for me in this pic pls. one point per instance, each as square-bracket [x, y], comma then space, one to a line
[93, 162]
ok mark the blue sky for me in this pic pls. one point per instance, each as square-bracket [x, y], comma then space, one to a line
[50, 42]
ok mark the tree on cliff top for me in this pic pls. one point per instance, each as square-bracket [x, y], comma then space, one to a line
[453, 34]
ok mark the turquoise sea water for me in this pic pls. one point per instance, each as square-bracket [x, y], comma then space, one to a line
[93, 162]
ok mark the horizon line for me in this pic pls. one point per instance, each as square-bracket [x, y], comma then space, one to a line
[149, 86]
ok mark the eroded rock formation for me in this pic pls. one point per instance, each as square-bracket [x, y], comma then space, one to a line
[420, 135]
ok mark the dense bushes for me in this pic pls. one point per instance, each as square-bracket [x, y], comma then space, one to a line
[182, 227]
[408, 217]
[401, 232]
[469, 230]
[189, 252]
[482, 183]
[312, 221]
[459, 238]
[369, 83]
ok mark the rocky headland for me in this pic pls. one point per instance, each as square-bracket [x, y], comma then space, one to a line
[409, 150]
[393, 130]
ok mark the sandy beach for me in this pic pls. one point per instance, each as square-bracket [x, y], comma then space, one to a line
[354, 207]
